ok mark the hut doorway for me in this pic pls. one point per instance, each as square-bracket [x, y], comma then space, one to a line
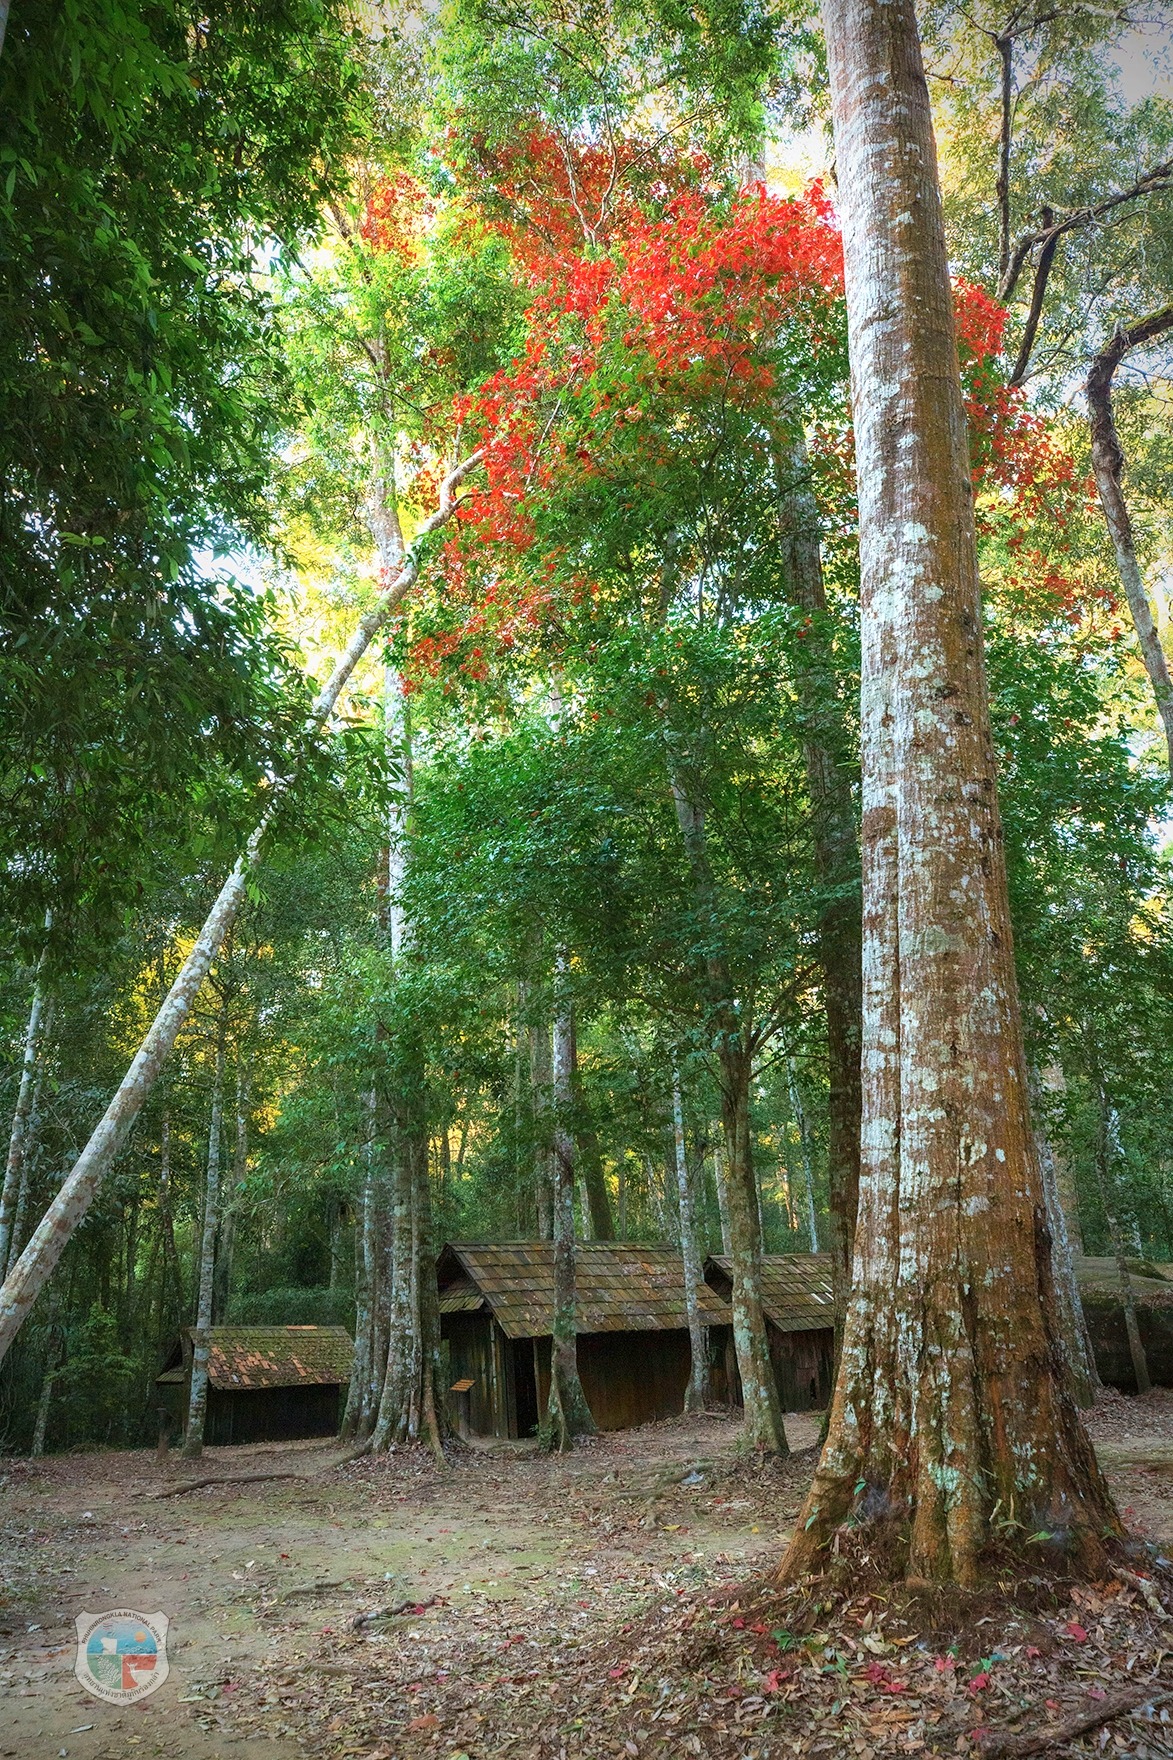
[525, 1390]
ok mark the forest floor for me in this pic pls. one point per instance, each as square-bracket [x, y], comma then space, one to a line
[611, 1603]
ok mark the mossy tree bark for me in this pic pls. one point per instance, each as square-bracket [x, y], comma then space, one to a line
[953, 1415]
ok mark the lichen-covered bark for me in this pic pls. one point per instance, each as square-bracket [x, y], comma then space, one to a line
[36, 1264]
[953, 1414]
[697, 1392]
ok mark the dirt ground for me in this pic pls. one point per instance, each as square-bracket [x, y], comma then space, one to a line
[390, 1610]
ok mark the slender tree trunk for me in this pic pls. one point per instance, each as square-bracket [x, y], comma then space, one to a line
[764, 1427]
[1081, 1361]
[952, 1405]
[41, 1425]
[567, 1413]
[721, 1184]
[541, 1087]
[829, 763]
[18, 1135]
[697, 1393]
[26, 1280]
[804, 1149]
[226, 1253]
[593, 1178]
[193, 1441]
[1107, 1155]
[167, 1220]
[1108, 465]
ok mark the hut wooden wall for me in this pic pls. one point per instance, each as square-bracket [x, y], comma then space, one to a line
[260, 1414]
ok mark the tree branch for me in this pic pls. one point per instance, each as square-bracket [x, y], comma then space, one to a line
[1149, 183]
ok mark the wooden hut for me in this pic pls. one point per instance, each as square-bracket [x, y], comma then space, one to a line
[265, 1383]
[496, 1314]
[800, 1319]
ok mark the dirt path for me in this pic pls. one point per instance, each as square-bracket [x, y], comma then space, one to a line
[277, 1592]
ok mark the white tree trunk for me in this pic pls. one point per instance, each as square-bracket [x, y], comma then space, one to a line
[18, 1135]
[29, 1276]
[812, 1221]
[696, 1394]
[193, 1441]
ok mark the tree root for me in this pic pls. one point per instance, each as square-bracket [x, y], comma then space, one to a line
[1015, 1747]
[380, 1613]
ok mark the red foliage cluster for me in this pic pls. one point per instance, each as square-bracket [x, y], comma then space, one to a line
[398, 211]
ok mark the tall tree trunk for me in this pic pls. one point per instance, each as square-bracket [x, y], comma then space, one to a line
[722, 1186]
[952, 1404]
[827, 758]
[193, 1440]
[226, 1252]
[567, 1412]
[764, 1427]
[541, 1088]
[356, 1419]
[1108, 465]
[804, 1149]
[697, 1393]
[593, 1178]
[36, 1264]
[1077, 1344]
[167, 1220]
[18, 1135]
[1107, 1155]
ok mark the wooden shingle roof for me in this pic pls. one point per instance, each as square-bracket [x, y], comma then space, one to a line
[621, 1287]
[796, 1289]
[241, 1357]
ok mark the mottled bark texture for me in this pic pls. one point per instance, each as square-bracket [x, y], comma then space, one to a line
[1108, 465]
[193, 1438]
[1077, 1344]
[567, 1412]
[1106, 1158]
[697, 1392]
[953, 1417]
[828, 760]
[36, 1264]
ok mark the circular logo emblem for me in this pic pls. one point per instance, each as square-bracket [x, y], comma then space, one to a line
[121, 1656]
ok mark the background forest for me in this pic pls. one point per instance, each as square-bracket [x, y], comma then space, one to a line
[573, 868]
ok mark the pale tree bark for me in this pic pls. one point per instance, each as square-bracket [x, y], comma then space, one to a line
[1106, 1157]
[1081, 1361]
[541, 1065]
[808, 1178]
[952, 1405]
[722, 1199]
[25, 1282]
[826, 757]
[697, 1392]
[764, 1428]
[1108, 465]
[567, 1412]
[166, 1217]
[193, 1439]
[226, 1252]
[22, 1112]
[356, 1419]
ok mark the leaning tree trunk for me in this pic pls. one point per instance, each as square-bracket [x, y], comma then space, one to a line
[828, 761]
[22, 1112]
[193, 1440]
[1108, 465]
[35, 1266]
[952, 1405]
[697, 1392]
[567, 1412]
